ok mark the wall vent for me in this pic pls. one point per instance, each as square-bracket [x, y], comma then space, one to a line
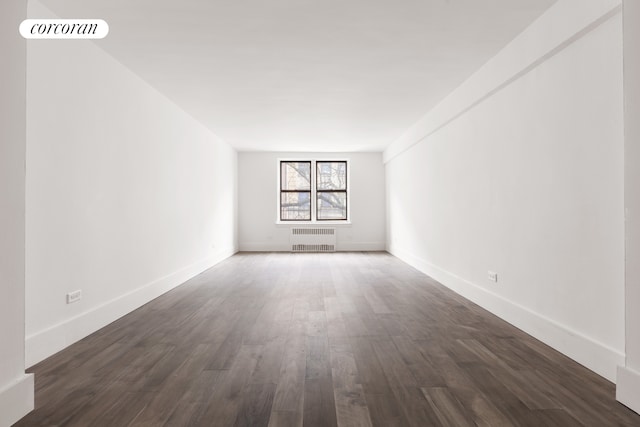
[313, 239]
[313, 248]
[313, 231]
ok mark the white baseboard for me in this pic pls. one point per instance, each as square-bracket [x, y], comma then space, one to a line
[16, 400]
[264, 247]
[628, 388]
[286, 247]
[592, 354]
[361, 246]
[47, 342]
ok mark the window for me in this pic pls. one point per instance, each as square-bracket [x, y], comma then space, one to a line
[317, 196]
[331, 191]
[295, 191]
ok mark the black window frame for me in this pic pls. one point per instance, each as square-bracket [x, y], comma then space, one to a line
[318, 191]
[313, 192]
[310, 191]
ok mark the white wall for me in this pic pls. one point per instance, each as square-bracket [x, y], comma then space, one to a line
[258, 197]
[127, 196]
[628, 381]
[520, 171]
[16, 388]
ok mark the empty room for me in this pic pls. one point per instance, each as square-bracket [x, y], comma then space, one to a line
[320, 213]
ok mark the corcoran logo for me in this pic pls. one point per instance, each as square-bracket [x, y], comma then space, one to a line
[64, 29]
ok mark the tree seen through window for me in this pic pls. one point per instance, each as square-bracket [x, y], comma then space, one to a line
[299, 190]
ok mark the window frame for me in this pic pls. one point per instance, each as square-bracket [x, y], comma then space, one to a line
[314, 215]
[345, 191]
[281, 190]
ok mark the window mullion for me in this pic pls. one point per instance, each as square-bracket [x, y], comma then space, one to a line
[314, 191]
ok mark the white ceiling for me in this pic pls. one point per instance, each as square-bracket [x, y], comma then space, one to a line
[303, 75]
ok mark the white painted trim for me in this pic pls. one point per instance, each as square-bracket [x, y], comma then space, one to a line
[590, 353]
[16, 400]
[361, 246]
[315, 223]
[264, 247]
[628, 388]
[286, 247]
[561, 25]
[49, 341]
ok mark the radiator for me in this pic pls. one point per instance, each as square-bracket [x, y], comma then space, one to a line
[316, 239]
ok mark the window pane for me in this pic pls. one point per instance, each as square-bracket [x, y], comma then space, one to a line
[332, 175]
[332, 205]
[295, 206]
[295, 176]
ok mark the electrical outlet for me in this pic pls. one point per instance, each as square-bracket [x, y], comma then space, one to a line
[492, 275]
[74, 296]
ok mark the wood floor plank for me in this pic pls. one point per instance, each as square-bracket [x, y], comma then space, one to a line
[370, 372]
[124, 412]
[227, 397]
[285, 419]
[416, 409]
[351, 404]
[508, 403]
[256, 405]
[384, 410]
[462, 387]
[344, 339]
[424, 372]
[393, 366]
[164, 402]
[193, 403]
[290, 390]
[319, 402]
[267, 370]
[226, 353]
[447, 408]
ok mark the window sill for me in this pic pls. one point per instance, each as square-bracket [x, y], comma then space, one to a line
[313, 223]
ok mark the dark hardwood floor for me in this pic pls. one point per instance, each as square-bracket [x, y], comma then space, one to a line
[353, 339]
